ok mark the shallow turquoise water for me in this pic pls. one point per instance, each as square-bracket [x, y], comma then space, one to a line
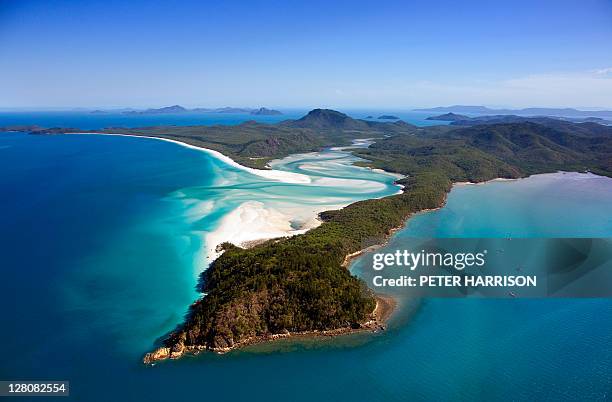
[98, 239]
[548, 205]
[521, 224]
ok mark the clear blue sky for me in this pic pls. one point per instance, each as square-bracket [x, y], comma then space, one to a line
[305, 54]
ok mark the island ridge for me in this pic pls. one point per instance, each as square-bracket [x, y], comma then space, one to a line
[299, 284]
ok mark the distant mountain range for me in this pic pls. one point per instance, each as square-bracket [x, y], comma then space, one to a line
[461, 120]
[533, 111]
[180, 109]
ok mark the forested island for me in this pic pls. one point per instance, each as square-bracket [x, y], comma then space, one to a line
[532, 111]
[448, 117]
[300, 284]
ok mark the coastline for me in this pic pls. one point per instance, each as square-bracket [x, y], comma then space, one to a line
[383, 310]
[385, 306]
[278, 175]
[264, 225]
[504, 179]
[497, 179]
[251, 223]
[380, 314]
[350, 257]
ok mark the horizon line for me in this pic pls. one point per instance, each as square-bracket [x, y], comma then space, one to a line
[391, 108]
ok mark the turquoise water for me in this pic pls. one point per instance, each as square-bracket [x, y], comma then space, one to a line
[548, 205]
[521, 224]
[100, 238]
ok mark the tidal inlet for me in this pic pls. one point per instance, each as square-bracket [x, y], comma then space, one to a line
[245, 206]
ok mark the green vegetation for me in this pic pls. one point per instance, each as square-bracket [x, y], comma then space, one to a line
[250, 144]
[255, 144]
[299, 284]
[510, 150]
[449, 117]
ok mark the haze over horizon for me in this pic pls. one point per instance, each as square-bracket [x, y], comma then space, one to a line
[305, 109]
[95, 54]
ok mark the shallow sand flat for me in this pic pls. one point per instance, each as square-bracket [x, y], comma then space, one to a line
[244, 209]
[249, 222]
[289, 213]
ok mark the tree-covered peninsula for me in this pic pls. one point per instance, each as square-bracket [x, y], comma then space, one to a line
[300, 284]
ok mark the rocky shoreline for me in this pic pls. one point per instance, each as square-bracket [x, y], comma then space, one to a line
[385, 305]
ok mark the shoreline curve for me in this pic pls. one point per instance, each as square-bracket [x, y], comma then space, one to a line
[278, 175]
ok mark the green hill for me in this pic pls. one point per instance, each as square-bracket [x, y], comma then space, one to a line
[299, 284]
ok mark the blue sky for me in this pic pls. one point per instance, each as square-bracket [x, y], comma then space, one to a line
[305, 54]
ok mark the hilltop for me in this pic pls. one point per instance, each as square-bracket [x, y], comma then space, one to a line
[266, 112]
[266, 290]
[448, 117]
[299, 284]
[337, 123]
[327, 119]
[509, 118]
[255, 293]
[487, 151]
[163, 110]
[254, 144]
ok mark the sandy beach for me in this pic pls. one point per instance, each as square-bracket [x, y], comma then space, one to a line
[254, 221]
[251, 223]
[287, 177]
[469, 183]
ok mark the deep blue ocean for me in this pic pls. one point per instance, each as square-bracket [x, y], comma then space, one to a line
[96, 266]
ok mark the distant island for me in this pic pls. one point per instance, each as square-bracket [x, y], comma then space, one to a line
[175, 109]
[163, 110]
[534, 111]
[225, 110]
[300, 284]
[509, 118]
[448, 117]
[388, 117]
[266, 112]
